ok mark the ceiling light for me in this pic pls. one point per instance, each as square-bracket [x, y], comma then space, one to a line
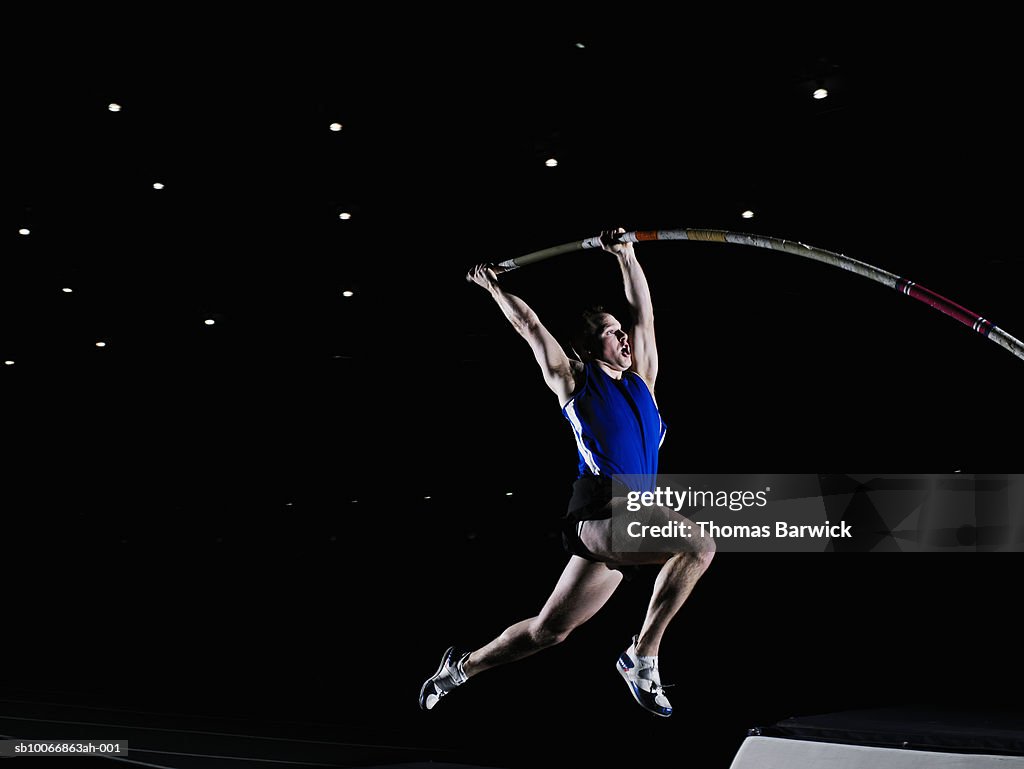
[335, 126]
[346, 293]
[551, 162]
[24, 231]
[114, 107]
[158, 186]
[209, 321]
[344, 215]
[820, 93]
[101, 344]
[748, 214]
[66, 290]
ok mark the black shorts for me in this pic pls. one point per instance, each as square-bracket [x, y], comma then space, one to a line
[591, 495]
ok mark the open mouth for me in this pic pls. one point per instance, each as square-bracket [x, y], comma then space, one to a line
[625, 350]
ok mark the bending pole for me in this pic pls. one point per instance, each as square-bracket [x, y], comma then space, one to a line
[984, 327]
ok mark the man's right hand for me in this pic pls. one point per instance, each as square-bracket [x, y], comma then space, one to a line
[483, 276]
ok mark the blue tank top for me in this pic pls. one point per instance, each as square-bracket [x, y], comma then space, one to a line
[617, 426]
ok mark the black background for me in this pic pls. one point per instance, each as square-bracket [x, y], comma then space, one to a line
[181, 526]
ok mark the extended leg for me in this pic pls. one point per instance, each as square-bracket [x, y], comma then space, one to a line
[582, 590]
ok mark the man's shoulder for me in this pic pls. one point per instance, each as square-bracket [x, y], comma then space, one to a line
[647, 382]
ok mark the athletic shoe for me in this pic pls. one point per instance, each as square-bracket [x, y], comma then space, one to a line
[643, 681]
[448, 676]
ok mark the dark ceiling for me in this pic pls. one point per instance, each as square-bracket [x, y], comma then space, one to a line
[769, 363]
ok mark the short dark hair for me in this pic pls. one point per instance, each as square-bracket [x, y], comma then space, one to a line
[584, 331]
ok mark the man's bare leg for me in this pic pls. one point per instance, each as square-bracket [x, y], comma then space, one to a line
[679, 573]
[582, 590]
[680, 570]
[671, 589]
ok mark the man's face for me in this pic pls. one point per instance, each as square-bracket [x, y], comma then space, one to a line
[610, 343]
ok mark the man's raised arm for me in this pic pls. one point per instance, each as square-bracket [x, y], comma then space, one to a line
[638, 296]
[554, 363]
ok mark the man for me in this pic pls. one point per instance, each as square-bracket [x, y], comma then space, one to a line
[608, 398]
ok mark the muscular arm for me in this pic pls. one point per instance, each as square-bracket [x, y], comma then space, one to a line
[555, 365]
[638, 296]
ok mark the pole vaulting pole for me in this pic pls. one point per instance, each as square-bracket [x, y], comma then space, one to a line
[984, 327]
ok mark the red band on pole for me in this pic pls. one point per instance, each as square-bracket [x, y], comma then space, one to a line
[944, 305]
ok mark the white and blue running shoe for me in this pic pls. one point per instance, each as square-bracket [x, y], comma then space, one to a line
[448, 676]
[644, 681]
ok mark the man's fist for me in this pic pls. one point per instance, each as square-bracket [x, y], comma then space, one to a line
[483, 276]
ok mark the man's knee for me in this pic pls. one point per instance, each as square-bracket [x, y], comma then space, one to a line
[704, 552]
[700, 558]
[704, 557]
[546, 633]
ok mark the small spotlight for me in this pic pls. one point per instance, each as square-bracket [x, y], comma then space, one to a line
[551, 162]
[580, 45]
[158, 185]
[820, 93]
[8, 362]
[347, 293]
[426, 497]
[344, 215]
[748, 214]
[66, 290]
[114, 107]
[24, 231]
[508, 493]
[336, 126]
[101, 344]
[209, 321]
[354, 501]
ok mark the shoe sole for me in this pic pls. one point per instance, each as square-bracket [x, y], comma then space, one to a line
[423, 697]
[632, 690]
